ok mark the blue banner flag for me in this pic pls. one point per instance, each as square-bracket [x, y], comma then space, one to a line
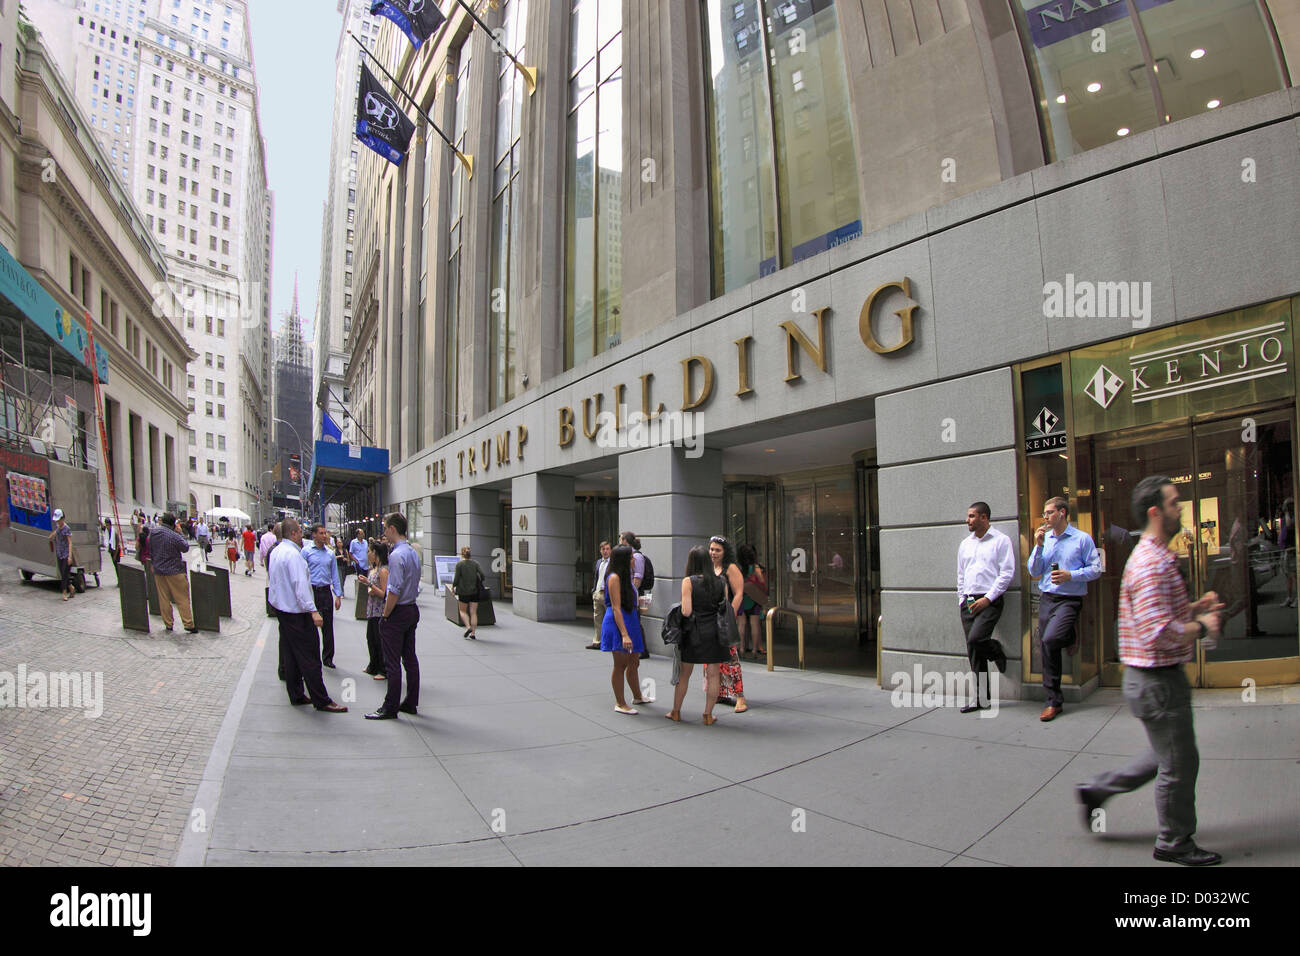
[381, 124]
[328, 430]
[418, 19]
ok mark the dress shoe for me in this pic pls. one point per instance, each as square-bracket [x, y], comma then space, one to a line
[167, 629]
[1090, 802]
[191, 630]
[381, 714]
[329, 664]
[333, 708]
[1192, 856]
[971, 708]
[407, 708]
[1049, 713]
[593, 647]
[300, 701]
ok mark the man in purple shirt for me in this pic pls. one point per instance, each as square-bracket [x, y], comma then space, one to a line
[397, 629]
[165, 549]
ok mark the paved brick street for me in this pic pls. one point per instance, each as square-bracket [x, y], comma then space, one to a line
[115, 789]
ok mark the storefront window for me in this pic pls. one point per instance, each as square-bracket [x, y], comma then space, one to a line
[594, 188]
[782, 164]
[1093, 62]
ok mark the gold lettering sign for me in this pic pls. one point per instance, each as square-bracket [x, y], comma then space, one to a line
[588, 428]
[794, 334]
[566, 426]
[688, 402]
[904, 315]
[742, 358]
[521, 437]
[503, 449]
[646, 379]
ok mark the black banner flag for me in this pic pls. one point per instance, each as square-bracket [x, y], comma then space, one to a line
[381, 124]
[418, 19]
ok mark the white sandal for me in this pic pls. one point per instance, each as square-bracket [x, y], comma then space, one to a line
[623, 710]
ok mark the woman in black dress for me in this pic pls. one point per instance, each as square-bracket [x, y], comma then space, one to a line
[465, 584]
[701, 592]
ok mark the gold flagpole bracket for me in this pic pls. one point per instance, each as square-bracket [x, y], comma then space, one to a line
[529, 74]
[467, 159]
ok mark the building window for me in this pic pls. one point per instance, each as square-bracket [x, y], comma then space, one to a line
[775, 72]
[594, 183]
[504, 262]
[1087, 99]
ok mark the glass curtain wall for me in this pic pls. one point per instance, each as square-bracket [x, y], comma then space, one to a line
[594, 183]
[1106, 70]
[505, 222]
[783, 170]
[455, 218]
[423, 317]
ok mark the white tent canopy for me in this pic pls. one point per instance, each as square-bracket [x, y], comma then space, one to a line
[234, 514]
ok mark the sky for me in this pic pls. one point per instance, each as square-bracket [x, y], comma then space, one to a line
[294, 42]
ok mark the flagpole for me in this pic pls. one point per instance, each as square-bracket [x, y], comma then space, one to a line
[529, 72]
[465, 158]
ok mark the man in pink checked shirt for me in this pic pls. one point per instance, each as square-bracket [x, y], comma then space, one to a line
[1158, 630]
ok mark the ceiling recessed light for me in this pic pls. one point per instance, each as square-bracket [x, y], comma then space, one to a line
[1212, 105]
[1094, 87]
[1061, 98]
[1122, 131]
[1197, 53]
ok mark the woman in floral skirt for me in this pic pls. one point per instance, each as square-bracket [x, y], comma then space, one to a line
[723, 555]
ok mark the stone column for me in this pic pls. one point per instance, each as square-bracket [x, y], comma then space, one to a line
[478, 525]
[543, 515]
[440, 532]
[926, 486]
[672, 503]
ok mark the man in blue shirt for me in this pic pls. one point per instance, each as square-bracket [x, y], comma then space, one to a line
[1064, 560]
[357, 548]
[289, 591]
[325, 584]
[397, 629]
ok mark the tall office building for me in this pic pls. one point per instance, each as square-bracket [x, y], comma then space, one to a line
[334, 314]
[291, 399]
[171, 92]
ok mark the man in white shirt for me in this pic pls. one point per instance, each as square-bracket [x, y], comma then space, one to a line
[986, 565]
[291, 595]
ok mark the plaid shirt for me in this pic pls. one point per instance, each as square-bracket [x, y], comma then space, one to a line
[1152, 598]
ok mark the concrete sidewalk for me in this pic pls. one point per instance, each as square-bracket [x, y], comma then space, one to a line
[517, 757]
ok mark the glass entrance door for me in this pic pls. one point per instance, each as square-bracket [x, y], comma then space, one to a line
[1235, 482]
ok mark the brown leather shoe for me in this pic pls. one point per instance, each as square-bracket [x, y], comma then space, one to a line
[333, 708]
[1049, 713]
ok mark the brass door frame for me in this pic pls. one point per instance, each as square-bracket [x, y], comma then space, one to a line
[808, 480]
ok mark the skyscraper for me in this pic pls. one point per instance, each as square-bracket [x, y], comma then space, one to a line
[171, 91]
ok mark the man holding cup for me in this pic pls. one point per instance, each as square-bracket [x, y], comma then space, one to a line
[1158, 631]
[1064, 560]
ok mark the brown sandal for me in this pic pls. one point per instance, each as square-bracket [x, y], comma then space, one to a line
[709, 720]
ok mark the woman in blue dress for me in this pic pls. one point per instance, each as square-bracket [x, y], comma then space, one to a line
[620, 632]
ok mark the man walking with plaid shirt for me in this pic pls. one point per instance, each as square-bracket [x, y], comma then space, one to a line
[1158, 629]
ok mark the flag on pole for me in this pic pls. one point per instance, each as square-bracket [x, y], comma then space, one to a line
[381, 124]
[329, 431]
[418, 19]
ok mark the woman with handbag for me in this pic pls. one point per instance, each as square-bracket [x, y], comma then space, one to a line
[750, 617]
[621, 631]
[702, 592]
[732, 689]
[376, 583]
[467, 582]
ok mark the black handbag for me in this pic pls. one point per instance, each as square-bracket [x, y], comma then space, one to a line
[675, 626]
[483, 593]
[728, 630]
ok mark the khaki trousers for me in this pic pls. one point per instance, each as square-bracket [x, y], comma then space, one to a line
[174, 589]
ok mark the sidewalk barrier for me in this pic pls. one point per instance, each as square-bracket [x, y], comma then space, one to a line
[204, 601]
[771, 614]
[152, 586]
[133, 594]
[486, 614]
[222, 591]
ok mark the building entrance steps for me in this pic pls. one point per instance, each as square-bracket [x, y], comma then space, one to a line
[517, 757]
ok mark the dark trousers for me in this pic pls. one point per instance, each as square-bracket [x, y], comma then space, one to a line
[376, 665]
[1162, 699]
[325, 605]
[397, 635]
[300, 653]
[981, 646]
[65, 574]
[1057, 616]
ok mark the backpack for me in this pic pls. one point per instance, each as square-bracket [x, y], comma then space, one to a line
[647, 579]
